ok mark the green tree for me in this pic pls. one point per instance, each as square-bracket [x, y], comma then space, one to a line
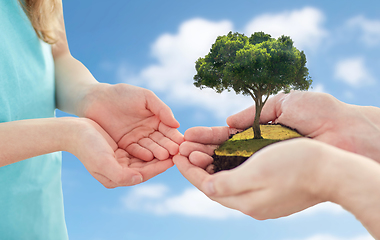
[257, 66]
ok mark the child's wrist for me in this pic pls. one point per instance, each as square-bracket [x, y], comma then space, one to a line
[90, 94]
[69, 129]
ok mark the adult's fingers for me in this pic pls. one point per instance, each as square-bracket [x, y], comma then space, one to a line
[200, 159]
[212, 185]
[187, 148]
[195, 175]
[209, 135]
[232, 182]
[221, 184]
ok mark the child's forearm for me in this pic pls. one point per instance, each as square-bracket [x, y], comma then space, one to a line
[73, 79]
[24, 139]
[74, 83]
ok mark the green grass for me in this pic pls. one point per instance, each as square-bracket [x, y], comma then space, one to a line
[243, 144]
[243, 148]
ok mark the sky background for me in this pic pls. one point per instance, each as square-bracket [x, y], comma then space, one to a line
[154, 44]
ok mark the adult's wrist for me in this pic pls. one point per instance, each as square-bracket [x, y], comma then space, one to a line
[320, 170]
[364, 131]
[357, 180]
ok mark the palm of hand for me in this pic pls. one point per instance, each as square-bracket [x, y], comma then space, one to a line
[139, 127]
[109, 164]
[137, 120]
[267, 186]
[146, 169]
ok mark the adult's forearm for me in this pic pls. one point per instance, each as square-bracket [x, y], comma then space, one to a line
[357, 181]
[372, 113]
[73, 83]
[24, 139]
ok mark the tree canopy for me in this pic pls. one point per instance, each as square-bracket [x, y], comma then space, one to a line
[257, 66]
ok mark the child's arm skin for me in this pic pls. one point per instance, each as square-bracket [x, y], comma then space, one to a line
[129, 135]
[84, 138]
[136, 119]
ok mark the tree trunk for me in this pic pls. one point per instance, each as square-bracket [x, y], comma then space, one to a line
[256, 122]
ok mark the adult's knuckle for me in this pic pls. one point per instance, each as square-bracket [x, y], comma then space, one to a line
[185, 148]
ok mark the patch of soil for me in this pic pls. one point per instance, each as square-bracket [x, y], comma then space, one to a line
[227, 162]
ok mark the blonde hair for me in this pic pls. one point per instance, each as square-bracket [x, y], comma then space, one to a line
[45, 16]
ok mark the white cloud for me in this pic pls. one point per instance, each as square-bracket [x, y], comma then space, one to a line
[318, 88]
[158, 199]
[370, 29]
[353, 71]
[329, 237]
[155, 199]
[176, 53]
[172, 75]
[303, 26]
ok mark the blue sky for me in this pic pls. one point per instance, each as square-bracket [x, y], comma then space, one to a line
[154, 44]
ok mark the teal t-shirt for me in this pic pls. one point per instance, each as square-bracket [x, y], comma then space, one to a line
[31, 201]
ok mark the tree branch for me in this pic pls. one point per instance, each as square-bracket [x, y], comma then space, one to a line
[267, 97]
[246, 88]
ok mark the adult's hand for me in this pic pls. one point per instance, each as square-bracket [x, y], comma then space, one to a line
[200, 143]
[322, 117]
[315, 115]
[272, 185]
[267, 185]
[136, 119]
